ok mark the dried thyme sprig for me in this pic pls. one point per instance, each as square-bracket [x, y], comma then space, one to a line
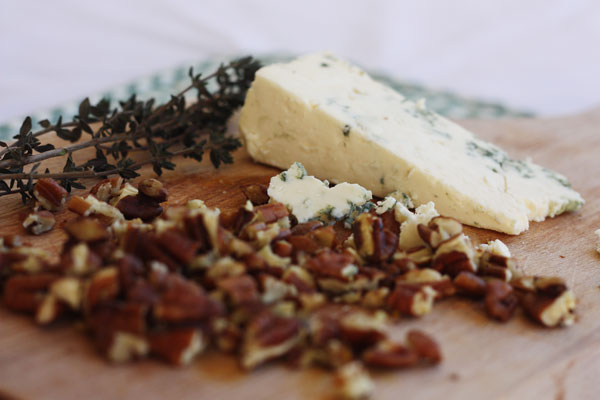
[160, 133]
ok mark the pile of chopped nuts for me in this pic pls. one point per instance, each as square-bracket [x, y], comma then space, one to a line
[171, 282]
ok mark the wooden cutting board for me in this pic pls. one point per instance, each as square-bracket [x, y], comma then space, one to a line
[482, 358]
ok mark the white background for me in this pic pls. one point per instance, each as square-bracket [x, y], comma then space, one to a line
[542, 56]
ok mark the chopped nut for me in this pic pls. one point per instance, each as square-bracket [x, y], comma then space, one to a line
[269, 336]
[39, 222]
[546, 300]
[86, 230]
[256, 193]
[427, 348]
[107, 189]
[153, 190]
[182, 301]
[49, 310]
[352, 382]
[24, 293]
[68, 290]
[241, 290]
[362, 328]
[373, 242]
[80, 260]
[388, 354]
[269, 213]
[412, 300]
[275, 290]
[439, 230]
[78, 205]
[454, 256]
[124, 347]
[49, 193]
[104, 286]
[179, 347]
[470, 284]
[132, 207]
[548, 310]
[500, 300]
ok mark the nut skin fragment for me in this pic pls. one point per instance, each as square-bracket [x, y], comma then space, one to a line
[39, 222]
[50, 194]
[500, 300]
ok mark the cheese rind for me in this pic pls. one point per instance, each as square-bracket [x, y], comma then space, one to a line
[346, 127]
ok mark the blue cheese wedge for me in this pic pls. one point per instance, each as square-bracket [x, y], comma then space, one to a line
[345, 127]
[309, 198]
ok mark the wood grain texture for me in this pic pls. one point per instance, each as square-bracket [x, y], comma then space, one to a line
[483, 359]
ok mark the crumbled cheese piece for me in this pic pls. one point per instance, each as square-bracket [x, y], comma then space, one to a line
[409, 236]
[385, 205]
[598, 242]
[309, 198]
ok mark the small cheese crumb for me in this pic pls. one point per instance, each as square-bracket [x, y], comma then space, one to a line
[598, 240]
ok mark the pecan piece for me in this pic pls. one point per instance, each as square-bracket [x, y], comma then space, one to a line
[470, 284]
[439, 230]
[412, 300]
[455, 255]
[500, 300]
[49, 310]
[103, 287]
[24, 293]
[49, 193]
[547, 300]
[427, 348]
[373, 242]
[269, 213]
[361, 328]
[178, 347]
[269, 336]
[183, 301]
[256, 193]
[107, 188]
[134, 207]
[120, 347]
[152, 190]
[387, 354]
[241, 290]
[39, 222]
[86, 230]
